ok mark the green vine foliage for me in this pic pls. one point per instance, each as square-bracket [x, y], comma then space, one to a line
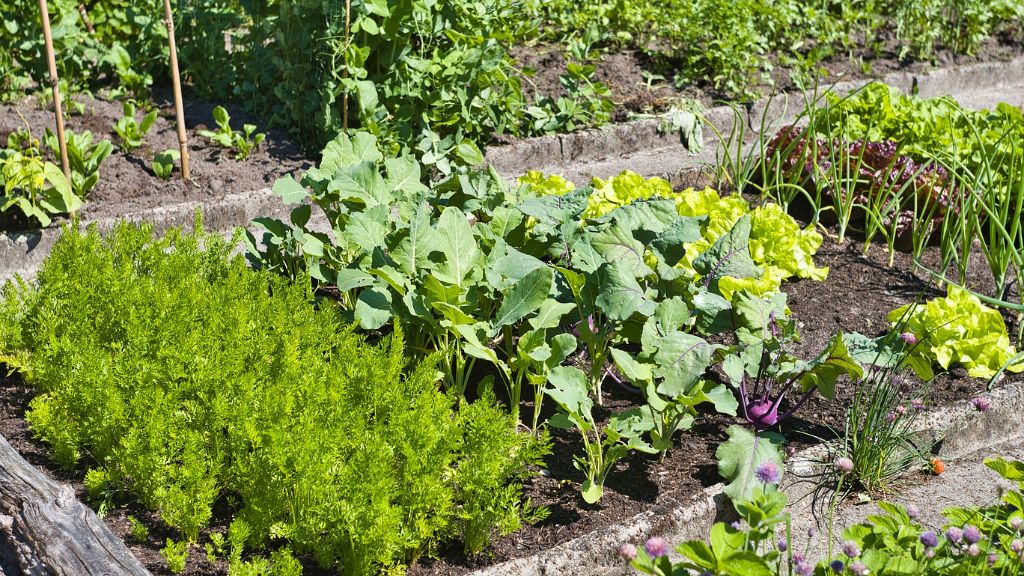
[172, 371]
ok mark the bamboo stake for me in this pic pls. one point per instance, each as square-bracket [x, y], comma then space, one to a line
[85, 19]
[51, 63]
[348, 42]
[179, 109]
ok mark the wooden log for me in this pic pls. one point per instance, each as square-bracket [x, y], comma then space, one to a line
[45, 530]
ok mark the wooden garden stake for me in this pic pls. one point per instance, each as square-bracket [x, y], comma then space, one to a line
[51, 62]
[348, 41]
[85, 18]
[179, 109]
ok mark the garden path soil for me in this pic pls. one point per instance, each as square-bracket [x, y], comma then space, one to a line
[127, 183]
[624, 72]
[857, 295]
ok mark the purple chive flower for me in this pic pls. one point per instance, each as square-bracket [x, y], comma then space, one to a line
[844, 465]
[929, 539]
[917, 404]
[971, 534]
[890, 417]
[859, 569]
[812, 531]
[908, 338]
[803, 569]
[901, 410]
[798, 556]
[735, 525]
[991, 558]
[981, 404]
[656, 546]
[954, 534]
[627, 552]
[850, 549]
[767, 472]
[973, 550]
[781, 545]
[1016, 522]
[1017, 546]
[837, 566]
[929, 554]
[913, 511]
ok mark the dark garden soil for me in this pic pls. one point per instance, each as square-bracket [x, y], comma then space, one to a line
[626, 72]
[858, 294]
[127, 183]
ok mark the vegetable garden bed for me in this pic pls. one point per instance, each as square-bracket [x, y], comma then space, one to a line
[353, 425]
[859, 293]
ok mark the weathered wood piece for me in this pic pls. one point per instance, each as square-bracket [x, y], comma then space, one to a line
[45, 530]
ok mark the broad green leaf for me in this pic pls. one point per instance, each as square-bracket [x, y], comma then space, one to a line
[823, 371]
[524, 298]
[699, 553]
[745, 563]
[506, 266]
[671, 314]
[290, 191]
[550, 314]
[361, 182]
[456, 242]
[680, 361]
[373, 308]
[562, 346]
[413, 252]
[569, 388]
[729, 255]
[617, 245]
[533, 345]
[1011, 470]
[368, 228]
[619, 294]
[722, 397]
[650, 216]
[403, 175]
[740, 455]
[671, 242]
[469, 153]
[342, 152]
[713, 312]
[636, 372]
[348, 278]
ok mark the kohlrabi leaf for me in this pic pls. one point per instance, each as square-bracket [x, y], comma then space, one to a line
[680, 360]
[617, 244]
[461, 254]
[570, 390]
[740, 455]
[619, 294]
[551, 211]
[550, 314]
[823, 371]
[671, 242]
[373, 308]
[524, 298]
[506, 266]
[728, 256]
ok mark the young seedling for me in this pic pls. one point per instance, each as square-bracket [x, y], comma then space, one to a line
[129, 130]
[243, 143]
[85, 158]
[163, 163]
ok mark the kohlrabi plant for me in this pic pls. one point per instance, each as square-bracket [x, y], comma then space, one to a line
[603, 445]
[131, 131]
[243, 143]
